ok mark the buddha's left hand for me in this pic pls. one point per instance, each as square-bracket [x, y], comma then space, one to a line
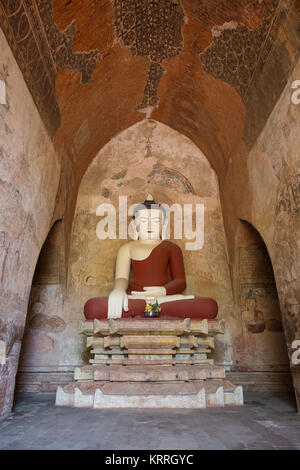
[152, 290]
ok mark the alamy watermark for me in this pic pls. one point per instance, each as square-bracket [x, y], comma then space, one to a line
[188, 222]
[295, 98]
[295, 359]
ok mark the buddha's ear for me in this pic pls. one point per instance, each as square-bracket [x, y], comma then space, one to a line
[165, 235]
[132, 231]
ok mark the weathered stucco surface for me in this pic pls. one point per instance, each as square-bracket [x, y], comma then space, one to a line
[29, 176]
[270, 202]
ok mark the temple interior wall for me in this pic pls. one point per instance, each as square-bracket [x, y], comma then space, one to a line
[270, 202]
[29, 178]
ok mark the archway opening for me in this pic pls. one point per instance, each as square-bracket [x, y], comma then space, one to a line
[44, 322]
[260, 350]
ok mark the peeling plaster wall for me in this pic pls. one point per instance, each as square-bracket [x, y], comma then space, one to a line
[274, 173]
[270, 175]
[29, 177]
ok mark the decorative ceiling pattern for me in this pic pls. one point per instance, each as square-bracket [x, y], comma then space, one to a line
[41, 49]
[61, 44]
[172, 59]
[236, 50]
[151, 29]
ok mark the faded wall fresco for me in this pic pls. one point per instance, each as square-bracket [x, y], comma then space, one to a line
[270, 202]
[277, 149]
[236, 50]
[41, 50]
[259, 343]
[29, 176]
[44, 325]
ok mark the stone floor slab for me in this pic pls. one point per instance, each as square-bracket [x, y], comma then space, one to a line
[266, 421]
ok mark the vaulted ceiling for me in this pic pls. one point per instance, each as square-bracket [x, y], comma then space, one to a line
[95, 67]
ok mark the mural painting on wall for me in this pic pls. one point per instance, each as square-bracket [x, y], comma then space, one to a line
[242, 54]
[257, 321]
[163, 176]
[11, 334]
[41, 50]
[39, 305]
[236, 52]
[253, 318]
[44, 324]
[287, 246]
[12, 253]
[151, 29]
[4, 107]
[261, 344]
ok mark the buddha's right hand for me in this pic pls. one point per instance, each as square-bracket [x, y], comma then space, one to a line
[117, 301]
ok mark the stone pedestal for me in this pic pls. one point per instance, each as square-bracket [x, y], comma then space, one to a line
[150, 363]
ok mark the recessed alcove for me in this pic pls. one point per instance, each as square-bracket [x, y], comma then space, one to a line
[259, 343]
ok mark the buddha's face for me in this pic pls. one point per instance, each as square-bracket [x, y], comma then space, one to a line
[148, 224]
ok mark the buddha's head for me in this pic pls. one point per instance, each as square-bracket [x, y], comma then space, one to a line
[149, 220]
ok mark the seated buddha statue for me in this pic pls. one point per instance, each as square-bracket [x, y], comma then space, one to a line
[150, 267]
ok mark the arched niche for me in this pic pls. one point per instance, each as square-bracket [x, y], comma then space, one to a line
[44, 322]
[259, 341]
[150, 157]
